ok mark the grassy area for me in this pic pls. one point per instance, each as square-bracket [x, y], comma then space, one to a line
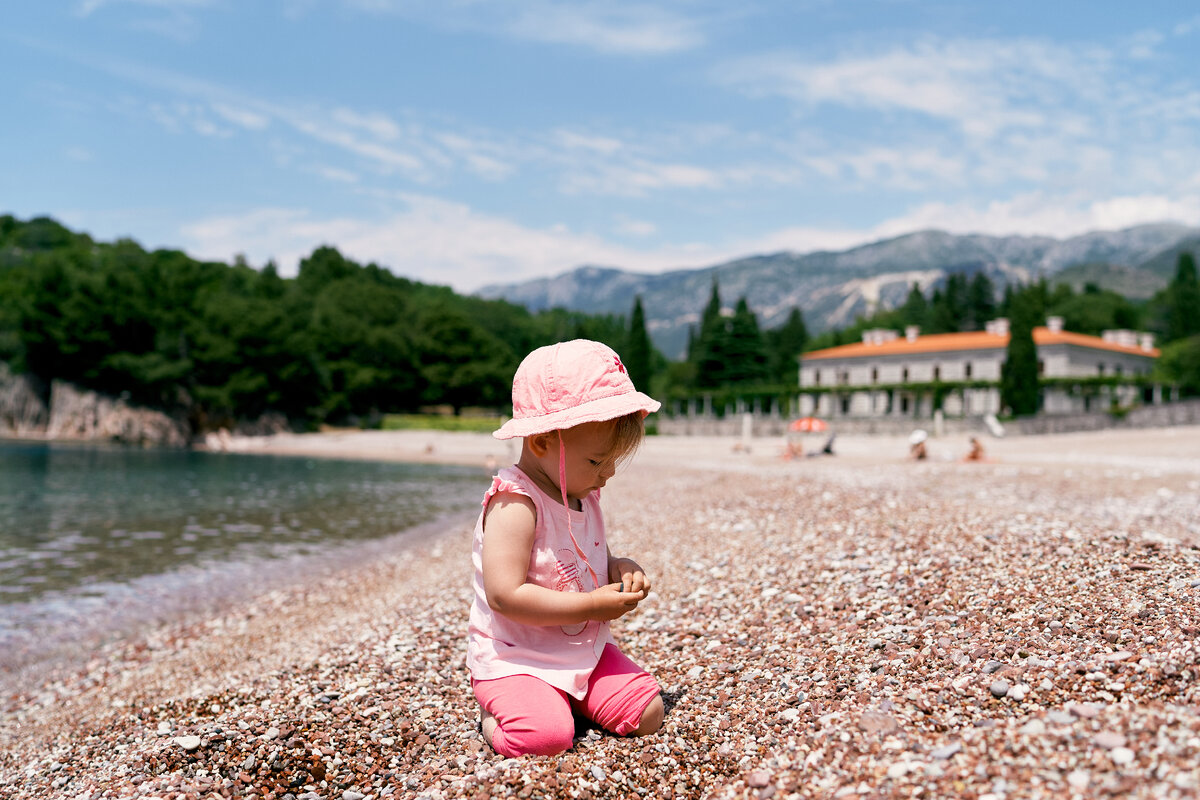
[440, 422]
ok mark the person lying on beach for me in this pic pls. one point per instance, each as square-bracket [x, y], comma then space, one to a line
[546, 585]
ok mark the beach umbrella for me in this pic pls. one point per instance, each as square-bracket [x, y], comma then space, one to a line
[808, 425]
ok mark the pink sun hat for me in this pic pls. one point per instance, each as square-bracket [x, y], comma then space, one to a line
[570, 383]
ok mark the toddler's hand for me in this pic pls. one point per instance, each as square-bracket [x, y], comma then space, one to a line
[610, 602]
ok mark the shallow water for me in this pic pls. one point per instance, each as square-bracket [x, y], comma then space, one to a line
[88, 531]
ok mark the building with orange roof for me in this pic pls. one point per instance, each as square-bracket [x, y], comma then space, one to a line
[889, 375]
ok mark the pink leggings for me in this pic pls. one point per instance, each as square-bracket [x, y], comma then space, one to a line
[536, 718]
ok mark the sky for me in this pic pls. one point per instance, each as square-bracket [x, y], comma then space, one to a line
[472, 142]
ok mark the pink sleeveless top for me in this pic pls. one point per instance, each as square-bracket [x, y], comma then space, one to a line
[562, 656]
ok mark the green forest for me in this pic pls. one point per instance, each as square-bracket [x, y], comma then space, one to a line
[346, 343]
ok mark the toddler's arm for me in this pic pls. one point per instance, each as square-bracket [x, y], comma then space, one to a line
[507, 543]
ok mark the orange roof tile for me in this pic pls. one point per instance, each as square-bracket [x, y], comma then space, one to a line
[970, 340]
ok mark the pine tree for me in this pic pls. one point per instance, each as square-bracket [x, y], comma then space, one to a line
[712, 343]
[981, 302]
[784, 345]
[745, 353]
[638, 351]
[1183, 300]
[915, 310]
[1019, 389]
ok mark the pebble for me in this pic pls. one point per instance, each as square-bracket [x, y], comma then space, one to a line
[999, 688]
[946, 751]
[188, 743]
[867, 667]
[758, 779]
[165, 728]
[1121, 756]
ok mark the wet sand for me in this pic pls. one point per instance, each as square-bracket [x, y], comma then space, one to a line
[859, 625]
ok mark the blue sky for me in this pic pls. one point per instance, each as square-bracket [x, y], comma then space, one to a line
[466, 142]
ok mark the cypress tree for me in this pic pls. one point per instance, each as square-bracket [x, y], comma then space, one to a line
[785, 343]
[713, 341]
[745, 354]
[638, 349]
[1183, 300]
[1019, 390]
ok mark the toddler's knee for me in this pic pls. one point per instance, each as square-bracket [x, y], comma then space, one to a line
[652, 717]
[547, 741]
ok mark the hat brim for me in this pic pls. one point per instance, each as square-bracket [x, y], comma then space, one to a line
[600, 410]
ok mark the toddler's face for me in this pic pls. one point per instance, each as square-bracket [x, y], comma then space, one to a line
[591, 460]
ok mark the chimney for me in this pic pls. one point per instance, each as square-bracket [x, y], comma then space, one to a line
[997, 326]
[911, 332]
[1055, 324]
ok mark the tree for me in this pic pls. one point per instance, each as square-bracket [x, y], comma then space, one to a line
[745, 351]
[1019, 389]
[784, 345]
[1180, 365]
[915, 310]
[638, 352]
[1183, 300]
[712, 343]
[981, 302]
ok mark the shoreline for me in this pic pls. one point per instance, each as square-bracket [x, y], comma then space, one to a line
[817, 625]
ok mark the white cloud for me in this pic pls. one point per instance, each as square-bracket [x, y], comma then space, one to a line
[243, 117]
[982, 86]
[433, 240]
[607, 26]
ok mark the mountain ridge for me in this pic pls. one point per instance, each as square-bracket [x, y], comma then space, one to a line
[832, 288]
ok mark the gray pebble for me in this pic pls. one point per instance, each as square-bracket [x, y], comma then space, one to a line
[999, 688]
[942, 753]
[350, 794]
[992, 666]
[598, 773]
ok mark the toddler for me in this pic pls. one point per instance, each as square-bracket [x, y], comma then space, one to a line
[546, 585]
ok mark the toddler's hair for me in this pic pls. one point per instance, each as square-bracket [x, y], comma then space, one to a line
[627, 434]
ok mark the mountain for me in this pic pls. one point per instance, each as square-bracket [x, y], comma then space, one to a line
[834, 288]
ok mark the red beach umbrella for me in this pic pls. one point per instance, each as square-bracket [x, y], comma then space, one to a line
[808, 425]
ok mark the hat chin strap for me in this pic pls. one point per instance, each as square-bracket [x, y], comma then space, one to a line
[562, 485]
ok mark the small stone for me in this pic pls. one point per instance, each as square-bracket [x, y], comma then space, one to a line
[897, 770]
[1120, 655]
[945, 752]
[993, 666]
[1121, 756]
[1195, 584]
[598, 773]
[1061, 717]
[695, 672]
[1083, 710]
[1046, 685]
[998, 688]
[188, 743]
[164, 728]
[350, 794]
[272, 733]
[1018, 692]
[1035, 727]
[758, 779]
[1108, 740]
[1079, 779]
[1140, 566]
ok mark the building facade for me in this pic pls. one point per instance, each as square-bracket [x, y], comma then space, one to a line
[889, 375]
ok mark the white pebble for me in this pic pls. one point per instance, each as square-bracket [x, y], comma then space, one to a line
[1121, 756]
[188, 743]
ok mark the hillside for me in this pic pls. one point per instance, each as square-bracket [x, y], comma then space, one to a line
[833, 288]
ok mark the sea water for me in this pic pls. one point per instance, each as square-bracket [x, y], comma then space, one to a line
[95, 538]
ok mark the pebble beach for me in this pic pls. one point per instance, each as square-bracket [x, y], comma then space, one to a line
[849, 626]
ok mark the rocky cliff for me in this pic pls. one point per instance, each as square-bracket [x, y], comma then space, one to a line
[75, 414]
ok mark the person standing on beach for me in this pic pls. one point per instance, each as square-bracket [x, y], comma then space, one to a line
[546, 585]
